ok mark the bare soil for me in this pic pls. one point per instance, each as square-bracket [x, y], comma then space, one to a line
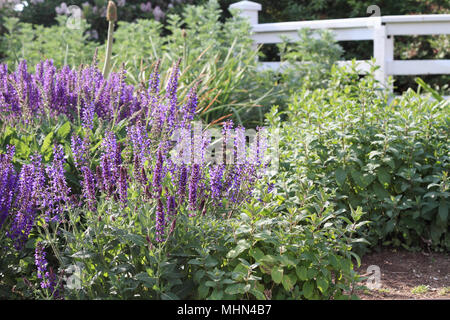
[408, 275]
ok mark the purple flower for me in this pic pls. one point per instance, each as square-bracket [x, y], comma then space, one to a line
[158, 13]
[171, 94]
[80, 151]
[88, 184]
[140, 142]
[62, 9]
[181, 193]
[160, 221]
[57, 193]
[123, 185]
[171, 206]
[153, 85]
[227, 140]
[190, 108]
[48, 278]
[28, 196]
[193, 186]
[87, 117]
[259, 147]
[146, 7]
[105, 176]
[23, 219]
[110, 162]
[158, 171]
[8, 183]
[216, 175]
[40, 261]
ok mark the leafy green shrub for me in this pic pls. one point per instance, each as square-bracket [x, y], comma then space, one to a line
[301, 251]
[35, 43]
[392, 159]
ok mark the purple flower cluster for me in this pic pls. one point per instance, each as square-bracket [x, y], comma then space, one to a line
[41, 265]
[76, 93]
[80, 150]
[110, 162]
[57, 191]
[8, 183]
[48, 277]
[192, 186]
[26, 192]
[160, 221]
[88, 183]
[24, 195]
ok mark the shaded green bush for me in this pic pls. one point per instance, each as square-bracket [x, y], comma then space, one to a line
[392, 159]
[35, 43]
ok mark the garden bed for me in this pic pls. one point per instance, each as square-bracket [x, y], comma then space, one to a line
[408, 275]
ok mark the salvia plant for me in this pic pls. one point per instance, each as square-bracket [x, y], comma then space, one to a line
[151, 172]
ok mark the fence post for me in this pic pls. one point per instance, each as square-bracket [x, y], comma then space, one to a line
[248, 9]
[383, 52]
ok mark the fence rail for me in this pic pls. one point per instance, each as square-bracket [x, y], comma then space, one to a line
[381, 30]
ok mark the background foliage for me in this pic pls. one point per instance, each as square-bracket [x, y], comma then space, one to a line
[390, 159]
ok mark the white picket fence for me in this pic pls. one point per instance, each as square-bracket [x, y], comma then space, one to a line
[381, 30]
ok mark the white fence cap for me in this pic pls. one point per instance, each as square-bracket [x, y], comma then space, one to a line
[246, 5]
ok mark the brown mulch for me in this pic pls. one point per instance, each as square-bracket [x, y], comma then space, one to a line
[402, 271]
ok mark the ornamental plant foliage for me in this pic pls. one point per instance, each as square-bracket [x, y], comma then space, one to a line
[34, 43]
[392, 159]
[94, 205]
[218, 54]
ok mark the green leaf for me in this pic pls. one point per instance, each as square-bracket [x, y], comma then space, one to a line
[203, 291]
[169, 296]
[433, 92]
[210, 262]
[147, 281]
[340, 175]
[380, 191]
[64, 130]
[269, 260]
[237, 288]
[289, 281]
[277, 275]
[256, 253]
[241, 246]
[22, 148]
[258, 294]
[83, 254]
[443, 210]
[308, 289]
[47, 142]
[322, 284]
[211, 284]
[301, 273]
[311, 273]
[383, 176]
[136, 239]
[199, 275]
[217, 294]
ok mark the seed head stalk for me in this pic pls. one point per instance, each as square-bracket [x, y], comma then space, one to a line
[111, 16]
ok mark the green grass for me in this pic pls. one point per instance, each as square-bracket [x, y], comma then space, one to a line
[444, 291]
[384, 290]
[420, 289]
